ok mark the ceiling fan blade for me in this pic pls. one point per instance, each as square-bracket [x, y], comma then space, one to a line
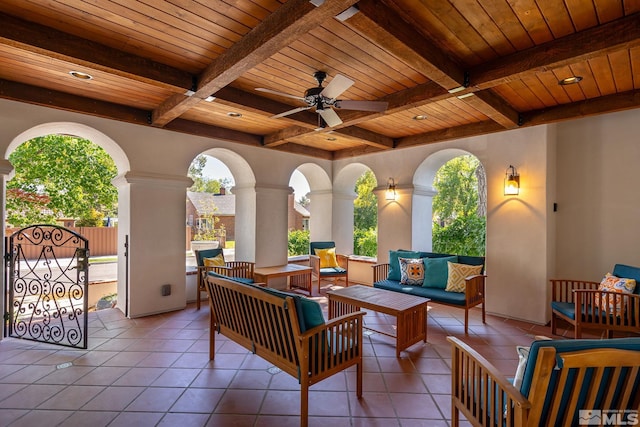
[330, 117]
[286, 113]
[377, 106]
[275, 92]
[336, 86]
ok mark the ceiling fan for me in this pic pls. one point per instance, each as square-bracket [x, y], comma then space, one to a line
[323, 98]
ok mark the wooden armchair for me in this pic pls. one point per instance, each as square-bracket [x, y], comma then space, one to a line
[566, 383]
[329, 268]
[235, 270]
[574, 301]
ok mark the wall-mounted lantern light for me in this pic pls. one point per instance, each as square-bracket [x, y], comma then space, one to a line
[391, 190]
[511, 182]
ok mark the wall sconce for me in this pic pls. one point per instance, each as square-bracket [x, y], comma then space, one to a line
[391, 190]
[511, 182]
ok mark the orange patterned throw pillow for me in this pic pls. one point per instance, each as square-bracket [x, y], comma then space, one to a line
[411, 271]
[615, 284]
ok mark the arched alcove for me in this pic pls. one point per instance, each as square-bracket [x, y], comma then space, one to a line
[343, 196]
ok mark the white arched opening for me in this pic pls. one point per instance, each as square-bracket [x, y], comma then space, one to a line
[122, 164]
[343, 196]
[423, 179]
[320, 196]
[245, 201]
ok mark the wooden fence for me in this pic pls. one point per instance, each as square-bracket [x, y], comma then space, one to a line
[103, 241]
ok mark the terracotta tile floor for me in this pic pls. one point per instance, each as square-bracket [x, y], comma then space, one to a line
[156, 371]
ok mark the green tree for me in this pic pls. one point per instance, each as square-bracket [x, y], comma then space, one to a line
[202, 184]
[60, 176]
[457, 226]
[298, 242]
[365, 207]
[365, 216]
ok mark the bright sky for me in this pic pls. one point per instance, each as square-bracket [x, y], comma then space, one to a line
[215, 169]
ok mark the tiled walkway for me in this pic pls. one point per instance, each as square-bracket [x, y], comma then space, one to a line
[156, 371]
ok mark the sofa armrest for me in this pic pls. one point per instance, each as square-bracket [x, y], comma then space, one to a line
[480, 391]
[343, 261]
[562, 289]
[474, 288]
[380, 272]
[314, 263]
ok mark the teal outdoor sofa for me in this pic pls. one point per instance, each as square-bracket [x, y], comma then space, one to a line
[576, 302]
[388, 276]
[564, 383]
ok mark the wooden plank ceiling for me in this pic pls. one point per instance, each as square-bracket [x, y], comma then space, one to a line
[445, 68]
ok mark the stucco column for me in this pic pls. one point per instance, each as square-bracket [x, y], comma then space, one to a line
[394, 221]
[422, 214]
[321, 205]
[342, 226]
[151, 218]
[245, 231]
[6, 169]
[271, 236]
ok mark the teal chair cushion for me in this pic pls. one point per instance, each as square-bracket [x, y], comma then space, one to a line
[563, 346]
[207, 253]
[309, 311]
[235, 279]
[436, 271]
[628, 272]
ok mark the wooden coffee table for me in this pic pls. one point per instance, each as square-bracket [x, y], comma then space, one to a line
[299, 275]
[410, 311]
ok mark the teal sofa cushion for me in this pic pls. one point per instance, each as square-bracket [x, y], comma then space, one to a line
[394, 263]
[436, 294]
[436, 271]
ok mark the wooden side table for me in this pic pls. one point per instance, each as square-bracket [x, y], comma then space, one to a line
[410, 311]
[299, 275]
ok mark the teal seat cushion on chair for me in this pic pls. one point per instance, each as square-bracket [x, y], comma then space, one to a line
[207, 253]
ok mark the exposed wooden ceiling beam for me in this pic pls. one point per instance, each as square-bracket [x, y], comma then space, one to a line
[623, 33]
[463, 131]
[74, 103]
[387, 29]
[79, 104]
[291, 20]
[62, 46]
[605, 104]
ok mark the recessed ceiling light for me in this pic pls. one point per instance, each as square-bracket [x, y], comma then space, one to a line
[420, 117]
[234, 114]
[332, 138]
[80, 75]
[570, 80]
[210, 98]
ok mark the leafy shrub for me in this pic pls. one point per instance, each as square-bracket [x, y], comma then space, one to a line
[365, 242]
[463, 236]
[298, 242]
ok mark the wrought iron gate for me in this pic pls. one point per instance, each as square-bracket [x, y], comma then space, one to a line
[46, 279]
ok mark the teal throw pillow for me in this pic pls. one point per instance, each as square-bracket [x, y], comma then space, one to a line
[394, 263]
[436, 271]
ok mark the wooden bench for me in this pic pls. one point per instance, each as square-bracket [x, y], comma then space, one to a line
[274, 325]
[564, 381]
